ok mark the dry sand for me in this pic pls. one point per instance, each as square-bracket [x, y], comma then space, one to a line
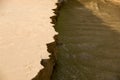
[25, 29]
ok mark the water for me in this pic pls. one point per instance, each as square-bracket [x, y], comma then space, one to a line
[89, 49]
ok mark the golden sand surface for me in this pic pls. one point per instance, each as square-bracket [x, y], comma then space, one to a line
[25, 29]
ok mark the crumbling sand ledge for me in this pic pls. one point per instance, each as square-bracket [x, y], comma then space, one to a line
[49, 64]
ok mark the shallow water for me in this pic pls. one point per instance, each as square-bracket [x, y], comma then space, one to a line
[89, 49]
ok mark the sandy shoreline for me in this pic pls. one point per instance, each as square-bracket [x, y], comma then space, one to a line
[25, 29]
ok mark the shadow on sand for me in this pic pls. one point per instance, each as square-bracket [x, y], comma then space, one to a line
[90, 50]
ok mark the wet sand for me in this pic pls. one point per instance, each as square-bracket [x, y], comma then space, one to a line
[25, 29]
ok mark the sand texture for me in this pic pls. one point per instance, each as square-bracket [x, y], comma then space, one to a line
[89, 41]
[25, 29]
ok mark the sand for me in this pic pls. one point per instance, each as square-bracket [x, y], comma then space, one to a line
[25, 29]
[90, 47]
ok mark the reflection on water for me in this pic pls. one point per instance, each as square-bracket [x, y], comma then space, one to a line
[89, 50]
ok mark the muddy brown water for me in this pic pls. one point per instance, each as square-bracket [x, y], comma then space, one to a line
[89, 49]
